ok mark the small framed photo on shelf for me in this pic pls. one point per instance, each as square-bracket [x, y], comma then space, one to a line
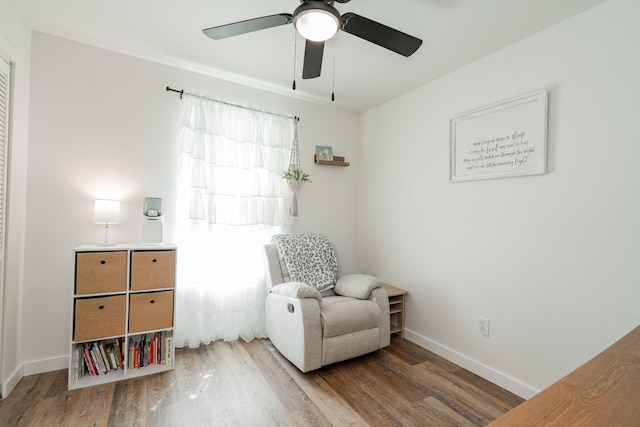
[324, 152]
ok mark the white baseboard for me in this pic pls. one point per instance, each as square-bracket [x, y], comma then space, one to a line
[499, 378]
[32, 368]
[46, 365]
[13, 380]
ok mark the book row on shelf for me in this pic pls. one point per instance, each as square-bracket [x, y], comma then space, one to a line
[104, 356]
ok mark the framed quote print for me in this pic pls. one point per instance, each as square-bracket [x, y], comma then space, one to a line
[502, 140]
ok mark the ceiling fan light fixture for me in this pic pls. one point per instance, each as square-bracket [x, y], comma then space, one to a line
[317, 22]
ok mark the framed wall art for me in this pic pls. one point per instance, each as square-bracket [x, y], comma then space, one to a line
[502, 140]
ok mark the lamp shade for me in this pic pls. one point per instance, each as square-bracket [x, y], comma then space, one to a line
[316, 21]
[106, 212]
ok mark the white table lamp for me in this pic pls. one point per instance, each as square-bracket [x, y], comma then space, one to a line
[106, 212]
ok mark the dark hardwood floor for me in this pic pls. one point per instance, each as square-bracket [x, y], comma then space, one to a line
[251, 384]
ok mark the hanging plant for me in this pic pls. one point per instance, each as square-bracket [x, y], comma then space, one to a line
[294, 174]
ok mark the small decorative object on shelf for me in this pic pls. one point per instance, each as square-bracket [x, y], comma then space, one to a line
[324, 153]
[122, 324]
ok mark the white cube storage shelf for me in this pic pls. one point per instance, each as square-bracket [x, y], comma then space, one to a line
[123, 313]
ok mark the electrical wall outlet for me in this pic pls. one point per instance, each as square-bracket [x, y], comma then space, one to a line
[483, 326]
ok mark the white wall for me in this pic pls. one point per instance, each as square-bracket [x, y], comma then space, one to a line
[103, 126]
[551, 260]
[15, 47]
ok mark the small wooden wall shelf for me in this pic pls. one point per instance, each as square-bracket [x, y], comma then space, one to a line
[337, 161]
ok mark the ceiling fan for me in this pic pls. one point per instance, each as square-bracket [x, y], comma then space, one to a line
[318, 21]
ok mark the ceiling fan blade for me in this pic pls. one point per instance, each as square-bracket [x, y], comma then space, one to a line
[380, 34]
[248, 26]
[313, 52]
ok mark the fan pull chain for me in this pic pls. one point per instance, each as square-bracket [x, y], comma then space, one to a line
[333, 83]
[295, 52]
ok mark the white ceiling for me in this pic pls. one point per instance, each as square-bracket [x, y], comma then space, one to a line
[454, 33]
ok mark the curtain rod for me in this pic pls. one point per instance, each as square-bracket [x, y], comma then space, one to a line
[208, 98]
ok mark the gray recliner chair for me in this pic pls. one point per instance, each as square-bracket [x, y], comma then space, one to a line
[313, 317]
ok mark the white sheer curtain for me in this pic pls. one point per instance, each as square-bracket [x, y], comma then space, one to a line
[231, 200]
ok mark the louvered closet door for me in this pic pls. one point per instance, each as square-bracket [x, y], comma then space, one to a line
[4, 141]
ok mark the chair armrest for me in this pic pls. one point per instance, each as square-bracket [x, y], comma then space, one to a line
[296, 290]
[357, 285]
